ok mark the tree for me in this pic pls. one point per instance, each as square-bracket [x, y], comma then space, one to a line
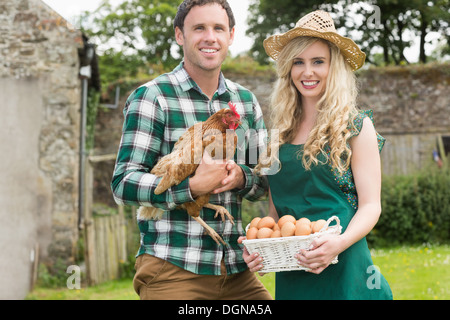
[372, 24]
[383, 26]
[135, 35]
[433, 16]
[267, 17]
[395, 18]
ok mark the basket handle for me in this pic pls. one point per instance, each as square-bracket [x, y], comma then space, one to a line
[331, 219]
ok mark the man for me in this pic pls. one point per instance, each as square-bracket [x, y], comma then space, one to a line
[176, 260]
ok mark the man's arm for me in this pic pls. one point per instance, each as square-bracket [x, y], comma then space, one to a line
[140, 145]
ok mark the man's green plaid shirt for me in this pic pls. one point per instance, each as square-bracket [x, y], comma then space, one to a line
[156, 114]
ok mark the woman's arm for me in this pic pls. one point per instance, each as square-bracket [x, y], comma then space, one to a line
[366, 170]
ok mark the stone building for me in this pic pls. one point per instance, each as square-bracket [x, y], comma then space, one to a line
[40, 94]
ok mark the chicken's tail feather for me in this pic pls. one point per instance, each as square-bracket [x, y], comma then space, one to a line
[149, 213]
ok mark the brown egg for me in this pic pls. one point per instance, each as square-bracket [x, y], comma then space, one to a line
[254, 222]
[304, 220]
[251, 233]
[303, 227]
[264, 233]
[288, 229]
[318, 225]
[286, 218]
[276, 227]
[276, 234]
[266, 222]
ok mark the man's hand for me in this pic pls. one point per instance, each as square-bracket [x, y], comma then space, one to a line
[234, 179]
[209, 176]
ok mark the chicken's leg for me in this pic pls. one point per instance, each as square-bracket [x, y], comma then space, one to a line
[220, 210]
[210, 230]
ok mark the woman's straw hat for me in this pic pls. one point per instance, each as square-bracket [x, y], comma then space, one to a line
[317, 24]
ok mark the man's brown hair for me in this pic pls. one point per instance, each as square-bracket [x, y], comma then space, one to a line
[187, 5]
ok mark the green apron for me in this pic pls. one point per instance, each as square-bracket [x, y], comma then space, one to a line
[319, 194]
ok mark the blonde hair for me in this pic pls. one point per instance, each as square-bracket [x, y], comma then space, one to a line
[336, 108]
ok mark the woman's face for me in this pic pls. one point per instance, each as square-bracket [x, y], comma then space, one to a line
[310, 71]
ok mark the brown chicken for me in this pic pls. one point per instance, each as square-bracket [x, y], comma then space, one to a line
[211, 136]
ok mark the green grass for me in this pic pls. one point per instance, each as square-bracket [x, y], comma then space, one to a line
[414, 273]
[111, 290]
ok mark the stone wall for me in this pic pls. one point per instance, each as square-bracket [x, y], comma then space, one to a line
[39, 130]
[408, 100]
[412, 109]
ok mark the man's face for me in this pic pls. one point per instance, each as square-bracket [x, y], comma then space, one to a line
[206, 37]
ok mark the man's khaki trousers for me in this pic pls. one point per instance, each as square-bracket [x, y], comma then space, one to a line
[157, 279]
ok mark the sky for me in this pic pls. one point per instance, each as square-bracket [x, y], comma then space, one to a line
[69, 9]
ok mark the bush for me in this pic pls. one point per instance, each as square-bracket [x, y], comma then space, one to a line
[416, 209]
[251, 210]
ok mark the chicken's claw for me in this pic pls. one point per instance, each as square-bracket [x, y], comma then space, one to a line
[210, 231]
[220, 210]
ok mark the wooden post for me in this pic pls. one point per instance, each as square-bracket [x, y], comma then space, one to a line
[442, 151]
[89, 228]
[35, 266]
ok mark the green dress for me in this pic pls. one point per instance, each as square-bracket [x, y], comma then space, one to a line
[319, 194]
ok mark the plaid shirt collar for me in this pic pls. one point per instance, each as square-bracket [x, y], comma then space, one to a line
[187, 83]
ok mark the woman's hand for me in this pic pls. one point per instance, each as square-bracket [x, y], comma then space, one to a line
[253, 261]
[323, 251]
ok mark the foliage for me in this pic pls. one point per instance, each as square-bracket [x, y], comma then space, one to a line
[126, 268]
[251, 210]
[415, 208]
[373, 24]
[247, 66]
[115, 65]
[396, 18]
[54, 276]
[93, 102]
[133, 36]
[268, 17]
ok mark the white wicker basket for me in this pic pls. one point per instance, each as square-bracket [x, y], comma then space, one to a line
[278, 253]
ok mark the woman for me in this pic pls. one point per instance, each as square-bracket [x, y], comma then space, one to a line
[330, 163]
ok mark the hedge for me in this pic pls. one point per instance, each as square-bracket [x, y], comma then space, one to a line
[415, 209]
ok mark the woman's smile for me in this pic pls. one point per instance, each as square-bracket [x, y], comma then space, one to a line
[308, 85]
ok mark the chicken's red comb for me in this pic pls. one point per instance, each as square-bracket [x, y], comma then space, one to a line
[233, 108]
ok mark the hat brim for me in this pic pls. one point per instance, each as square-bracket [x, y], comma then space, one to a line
[349, 49]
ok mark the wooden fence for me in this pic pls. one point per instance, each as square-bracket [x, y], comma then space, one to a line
[105, 234]
[408, 153]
